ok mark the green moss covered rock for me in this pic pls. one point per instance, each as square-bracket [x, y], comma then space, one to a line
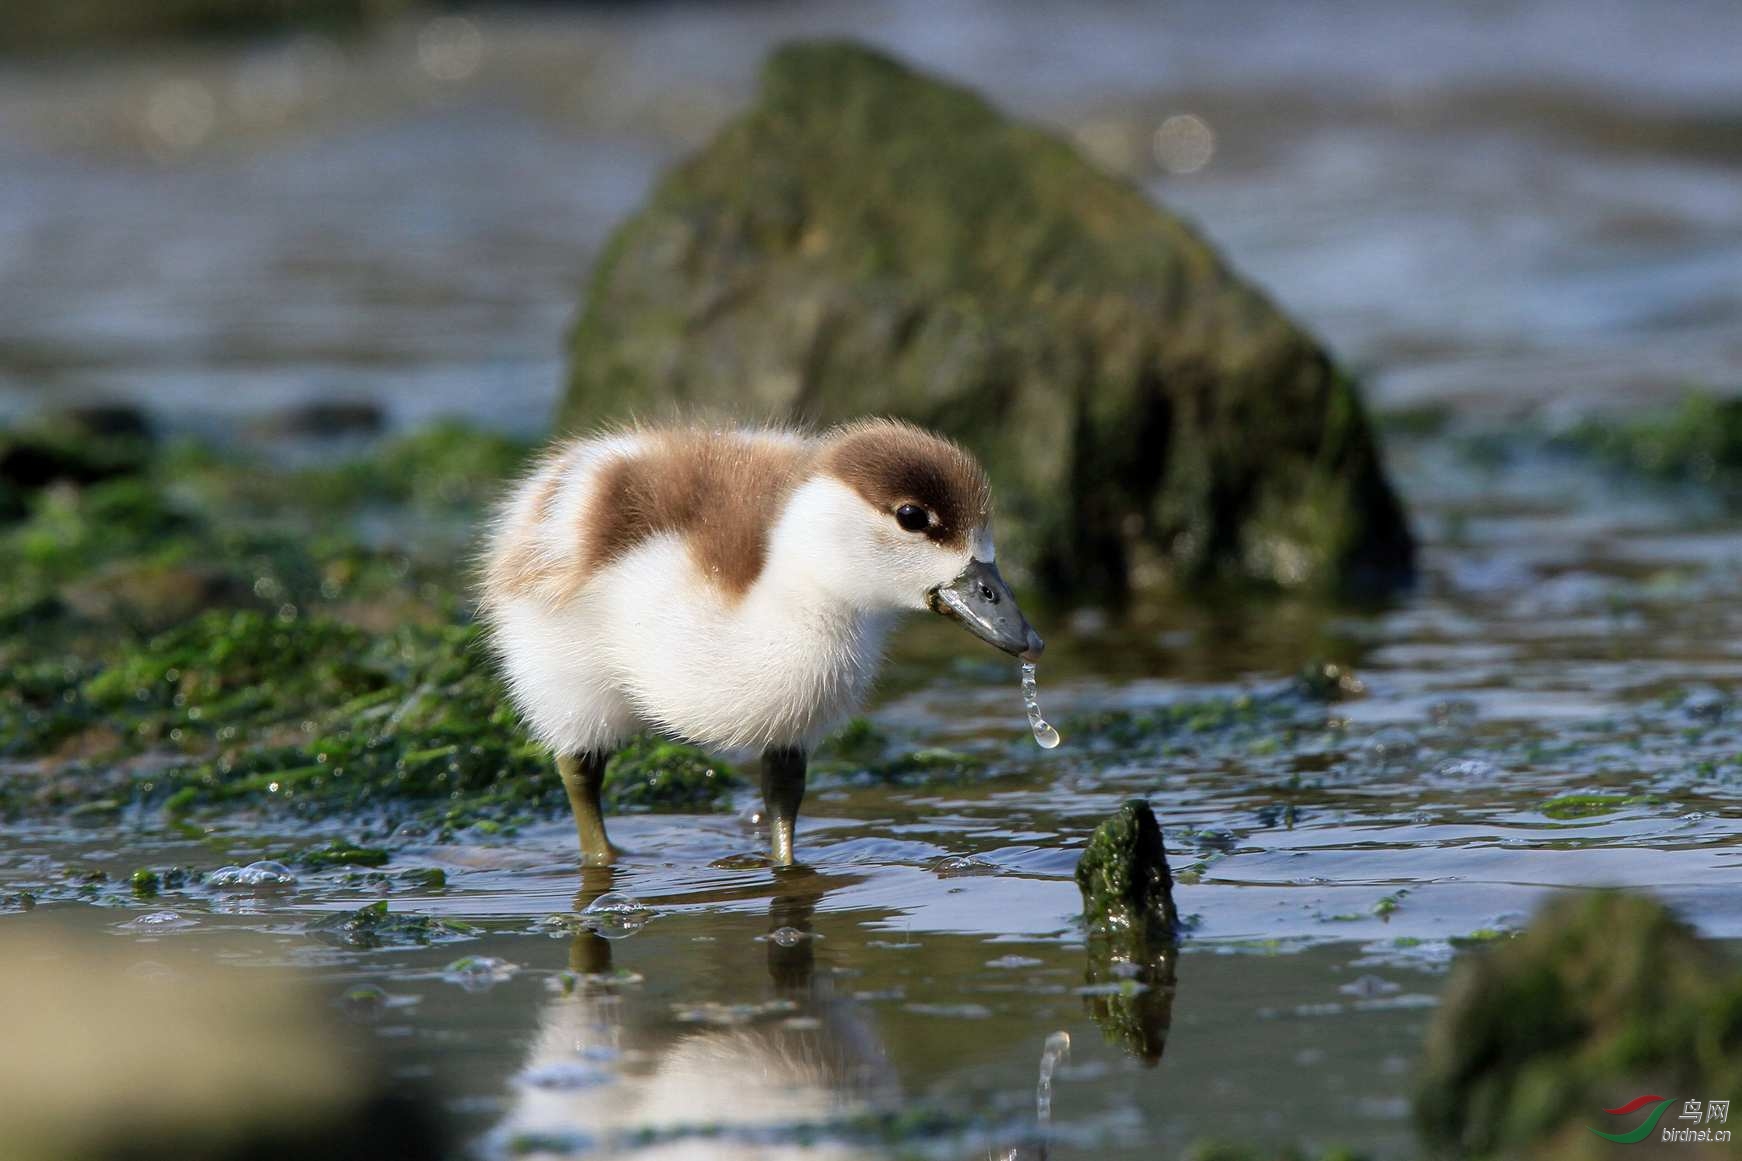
[866, 239]
[1603, 997]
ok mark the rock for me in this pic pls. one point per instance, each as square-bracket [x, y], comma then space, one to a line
[869, 240]
[160, 1056]
[1124, 876]
[1603, 997]
[1132, 925]
[328, 419]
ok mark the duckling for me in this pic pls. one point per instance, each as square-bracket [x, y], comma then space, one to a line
[729, 587]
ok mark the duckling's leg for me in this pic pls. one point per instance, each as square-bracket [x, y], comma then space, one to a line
[782, 791]
[583, 777]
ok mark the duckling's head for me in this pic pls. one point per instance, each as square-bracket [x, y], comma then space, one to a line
[894, 517]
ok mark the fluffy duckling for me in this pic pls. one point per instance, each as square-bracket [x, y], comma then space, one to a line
[731, 588]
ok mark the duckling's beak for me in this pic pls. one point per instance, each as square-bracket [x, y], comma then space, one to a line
[982, 602]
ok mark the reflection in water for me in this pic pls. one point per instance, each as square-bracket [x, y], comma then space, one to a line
[1131, 983]
[792, 1067]
[754, 1079]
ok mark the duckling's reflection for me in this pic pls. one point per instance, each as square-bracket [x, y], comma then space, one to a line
[608, 1070]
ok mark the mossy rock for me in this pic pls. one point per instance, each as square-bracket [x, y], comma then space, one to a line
[870, 240]
[1603, 996]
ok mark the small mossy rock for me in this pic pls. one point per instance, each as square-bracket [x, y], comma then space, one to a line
[870, 240]
[1602, 997]
[1124, 876]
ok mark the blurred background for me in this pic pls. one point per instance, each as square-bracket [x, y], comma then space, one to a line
[224, 211]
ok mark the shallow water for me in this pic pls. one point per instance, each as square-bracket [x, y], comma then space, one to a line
[1329, 858]
[1494, 229]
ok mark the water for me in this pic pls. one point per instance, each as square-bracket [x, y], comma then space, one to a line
[1044, 735]
[1526, 207]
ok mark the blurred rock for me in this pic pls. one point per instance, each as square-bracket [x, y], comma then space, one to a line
[68, 24]
[107, 420]
[149, 596]
[868, 240]
[1132, 925]
[1604, 997]
[328, 419]
[119, 1054]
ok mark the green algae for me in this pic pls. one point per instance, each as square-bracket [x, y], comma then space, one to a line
[1567, 806]
[654, 775]
[378, 926]
[1696, 440]
[337, 853]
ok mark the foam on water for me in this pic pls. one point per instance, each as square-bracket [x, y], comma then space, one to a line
[1044, 734]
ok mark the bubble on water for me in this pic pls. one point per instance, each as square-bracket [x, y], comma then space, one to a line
[1368, 986]
[787, 936]
[1468, 770]
[955, 866]
[479, 973]
[615, 915]
[1044, 734]
[160, 921]
[1387, 748]
[264, 875]
[1013, 961]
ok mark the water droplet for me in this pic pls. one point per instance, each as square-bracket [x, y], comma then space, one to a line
[1057, 1051]
[1044, 734]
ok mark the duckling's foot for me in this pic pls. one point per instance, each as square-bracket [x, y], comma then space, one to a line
[583, 778]
[783, 770]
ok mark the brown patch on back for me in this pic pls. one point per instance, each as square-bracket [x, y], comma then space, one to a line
[892, 463]
[720, 490]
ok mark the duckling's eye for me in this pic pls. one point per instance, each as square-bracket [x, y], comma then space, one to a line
[913, 518]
